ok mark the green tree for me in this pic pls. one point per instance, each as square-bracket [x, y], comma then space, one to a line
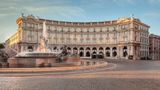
[1, 46]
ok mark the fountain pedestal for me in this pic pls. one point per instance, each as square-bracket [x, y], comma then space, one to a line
[43, 57]
[47, 62]
[75, 60]
[31, 62]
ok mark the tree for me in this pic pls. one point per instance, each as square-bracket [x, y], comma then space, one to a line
[1, 46]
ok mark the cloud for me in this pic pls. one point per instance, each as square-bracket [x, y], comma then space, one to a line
[13, 7]
[107, 2]
[124, 1]
[154, 1]
[135, 1]
[10, 10]
[66, 11]
[153, 14]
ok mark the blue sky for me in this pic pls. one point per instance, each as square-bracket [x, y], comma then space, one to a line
[148, 11]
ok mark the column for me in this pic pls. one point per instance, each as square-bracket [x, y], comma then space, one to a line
[91, 52]
[72, 50]
[118, 52]
[22, 48]
[132, 35]
[78, 51]
[104, 52]
[132, 52]
[111, 53]
[121, 51]
[84, 51]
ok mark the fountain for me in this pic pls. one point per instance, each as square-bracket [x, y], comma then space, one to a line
[42, 50]
[42, 57]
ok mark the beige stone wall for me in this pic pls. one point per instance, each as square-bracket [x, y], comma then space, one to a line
[126, 32]
[154, 47]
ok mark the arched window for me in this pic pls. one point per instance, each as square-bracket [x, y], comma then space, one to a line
[94, 55]
[55, 48]
[81, 48]
[94, 48]
[114, 51]
[125, 51]
[107, 48]
[30, 48]
[88, 54]
[107, 54]
[101, 55]
[75, 48]
[88, 48]
[81, 54]
[100, 48]
[68, 48]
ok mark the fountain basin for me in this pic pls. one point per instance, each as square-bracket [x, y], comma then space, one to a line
[33, 59]
[25, 62]
[87, 65]
[40, 59]
[37, 55]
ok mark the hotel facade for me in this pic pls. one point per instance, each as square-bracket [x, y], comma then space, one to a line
[154, 47]
[124, 38]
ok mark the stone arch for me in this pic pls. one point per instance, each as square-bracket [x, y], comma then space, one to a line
[81, 48]
[88, 54]
[114, 48]
[88, 49]
[101, 55]
[61, 48]
[107, 54]
[107, 51]
[81, 54]
[107, 48]
[125, 53]
[94, 49]
[75, 50]
[55, 48]
[30, 48]
[94, 55]
[69, 49]
[101, 48]
[114, 51]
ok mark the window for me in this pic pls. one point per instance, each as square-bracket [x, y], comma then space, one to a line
[62, 30]
[107, 28]
[114, 28]
[24, 25]
[94, 30]
[123, 27]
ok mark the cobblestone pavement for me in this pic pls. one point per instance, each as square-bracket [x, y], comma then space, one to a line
[126, 75]
[131, 65]
[78, 84]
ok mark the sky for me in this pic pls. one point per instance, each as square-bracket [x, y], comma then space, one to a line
[148, 11]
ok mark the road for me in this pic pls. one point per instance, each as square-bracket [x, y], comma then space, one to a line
[129, 65]
[121, 75]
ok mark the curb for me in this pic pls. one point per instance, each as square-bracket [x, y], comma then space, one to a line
[51, 69]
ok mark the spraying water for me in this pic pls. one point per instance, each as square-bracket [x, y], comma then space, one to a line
[43, 47]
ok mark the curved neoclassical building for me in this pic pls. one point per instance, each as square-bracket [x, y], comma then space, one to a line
[124, 38]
